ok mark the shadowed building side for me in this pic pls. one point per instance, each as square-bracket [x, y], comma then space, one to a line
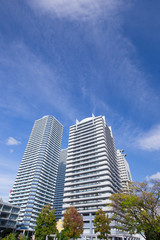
[59, 190]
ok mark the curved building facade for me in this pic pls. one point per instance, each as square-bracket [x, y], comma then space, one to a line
[92, 173]
[124, 170]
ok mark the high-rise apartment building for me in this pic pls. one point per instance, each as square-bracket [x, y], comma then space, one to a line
[59, 190]
[124, 169]
[36, 179]
[92, 173]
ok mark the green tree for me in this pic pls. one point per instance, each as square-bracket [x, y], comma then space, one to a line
[5, 232]
[22, 237]
[138, 211]
[101, 223]
[61, 235]
[11, 236]
[46, 223]
[73, 223]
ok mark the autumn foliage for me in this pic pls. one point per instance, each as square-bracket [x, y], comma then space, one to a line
[73, 223]
[138, 211]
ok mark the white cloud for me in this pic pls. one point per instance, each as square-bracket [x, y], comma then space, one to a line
[12, 141]
[154, 176]
[75, 9]
[151, 140]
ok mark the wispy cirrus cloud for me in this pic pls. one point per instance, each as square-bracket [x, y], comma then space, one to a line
[12, 141]
[150, 141]
[123, 69]
[36, 83]
[120, 73]
[76, 9]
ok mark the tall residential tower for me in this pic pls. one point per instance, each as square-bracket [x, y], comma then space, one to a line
[124, 170]
[92, 173]
[36, 179]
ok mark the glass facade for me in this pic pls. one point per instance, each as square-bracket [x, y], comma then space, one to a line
[59, 191]
[36, 179]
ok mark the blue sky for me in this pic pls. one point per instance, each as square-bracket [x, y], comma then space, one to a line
[72, 58]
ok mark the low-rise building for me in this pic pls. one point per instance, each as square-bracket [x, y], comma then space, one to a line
[8, 215]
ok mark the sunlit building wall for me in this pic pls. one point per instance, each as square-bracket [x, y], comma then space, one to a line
[92, 173]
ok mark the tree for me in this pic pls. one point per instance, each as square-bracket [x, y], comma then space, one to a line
[46, 223]
[61, 235]
[11, 236]
[5, 232]
[101, 223]
[138, 211]
[22, 237]
[73, 223]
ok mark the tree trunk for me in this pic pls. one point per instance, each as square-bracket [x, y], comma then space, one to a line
[147, 235]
